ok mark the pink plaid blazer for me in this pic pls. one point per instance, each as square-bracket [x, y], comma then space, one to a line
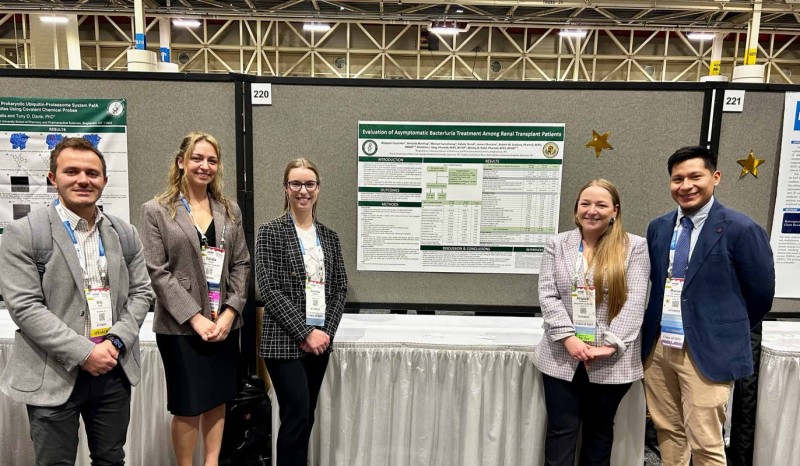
[555, 286]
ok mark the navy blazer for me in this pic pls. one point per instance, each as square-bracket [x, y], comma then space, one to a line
[729, 288]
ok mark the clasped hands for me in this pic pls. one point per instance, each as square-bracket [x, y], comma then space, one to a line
[102, 359]
[581, 351]
[210, 330]
[316, 342]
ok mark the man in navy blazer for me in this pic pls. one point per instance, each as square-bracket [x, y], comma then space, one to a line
[724, 286]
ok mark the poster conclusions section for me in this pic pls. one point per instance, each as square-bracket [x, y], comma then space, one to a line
[457, 197]
[30, 128]
[785, 240]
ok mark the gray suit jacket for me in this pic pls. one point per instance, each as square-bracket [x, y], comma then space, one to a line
[49, 346]
[173, 258]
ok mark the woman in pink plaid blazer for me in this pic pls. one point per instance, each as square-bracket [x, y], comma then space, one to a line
[592, 290]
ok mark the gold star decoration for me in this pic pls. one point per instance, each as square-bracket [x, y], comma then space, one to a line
[750, 165]
[599, 142]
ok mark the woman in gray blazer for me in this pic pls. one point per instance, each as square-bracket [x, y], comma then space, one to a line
[592, 289]
[199, 265]
[301, 278]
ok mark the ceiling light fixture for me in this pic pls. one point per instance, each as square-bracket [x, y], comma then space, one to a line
[443, 28]
[572, 33]
[317, 27]
[189, 23]
[701, 36]
[54, 19]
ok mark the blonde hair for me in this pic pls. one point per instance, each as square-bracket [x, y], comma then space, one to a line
[176, 181]
[610, 254]
[299, 163]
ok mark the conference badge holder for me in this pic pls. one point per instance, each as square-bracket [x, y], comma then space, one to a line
[100, 314]
[315, 303]
[584, 313]
[213, 258]
[671, 319]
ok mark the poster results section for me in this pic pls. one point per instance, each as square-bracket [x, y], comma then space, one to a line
[457, 197]
[785, 239]
[30, 128]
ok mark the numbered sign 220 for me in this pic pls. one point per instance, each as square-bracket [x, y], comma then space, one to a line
[261, 93]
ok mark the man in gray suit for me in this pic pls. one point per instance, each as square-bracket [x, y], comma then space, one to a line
[76, 352]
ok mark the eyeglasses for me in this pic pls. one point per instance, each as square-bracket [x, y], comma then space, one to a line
[296, 186]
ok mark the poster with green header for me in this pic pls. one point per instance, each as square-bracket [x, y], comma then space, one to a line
[457, 197]
[29, 130]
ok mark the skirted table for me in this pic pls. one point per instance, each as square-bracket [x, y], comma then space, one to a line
[778, 422]
[443, 390]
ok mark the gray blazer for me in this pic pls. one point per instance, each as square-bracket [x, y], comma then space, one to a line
[173, 259]
[50, 346]
[555, 288]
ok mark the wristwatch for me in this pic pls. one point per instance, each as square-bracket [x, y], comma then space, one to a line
[118, 344]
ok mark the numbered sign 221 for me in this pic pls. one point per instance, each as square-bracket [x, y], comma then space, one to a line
[734, 100]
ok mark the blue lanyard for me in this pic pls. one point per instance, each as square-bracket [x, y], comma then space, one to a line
[102, 263]
[579, 262]
[300, 241]
[203, 237]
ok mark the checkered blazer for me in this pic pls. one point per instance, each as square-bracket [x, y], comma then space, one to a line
[555, 287]
[281, 277]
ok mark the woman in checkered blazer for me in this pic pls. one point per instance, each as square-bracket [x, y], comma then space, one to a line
[301, 278]
[592, 290]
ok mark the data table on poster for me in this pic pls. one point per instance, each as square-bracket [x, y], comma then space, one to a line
[457, 197]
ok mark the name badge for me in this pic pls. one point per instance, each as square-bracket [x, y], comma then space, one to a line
[213, 258]
[671, 318]
[315, 303]
[584, 313]
[100, 314]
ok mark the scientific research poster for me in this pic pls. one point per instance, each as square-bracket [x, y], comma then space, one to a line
[457, 197]
[30, 128]
[785, 240]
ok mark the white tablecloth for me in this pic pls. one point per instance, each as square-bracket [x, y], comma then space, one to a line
[443, 390]
[778, 425]
[149, 441]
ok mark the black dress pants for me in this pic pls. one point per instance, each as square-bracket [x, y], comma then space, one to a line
[104, 402]
[575, 405]
[297, 383]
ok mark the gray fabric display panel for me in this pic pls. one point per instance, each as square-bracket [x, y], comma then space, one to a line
[160, 113]
[758, 128]
[320, 123]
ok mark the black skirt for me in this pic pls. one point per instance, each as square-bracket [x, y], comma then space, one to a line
[200, 375]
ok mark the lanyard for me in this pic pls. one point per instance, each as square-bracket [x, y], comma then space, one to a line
[102, 263]
[203, 238]
[303, 249]
[674, 243]
[580, 261]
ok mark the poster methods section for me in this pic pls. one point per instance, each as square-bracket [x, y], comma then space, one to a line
[30, 128]
[457, 197]
[785, 240]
